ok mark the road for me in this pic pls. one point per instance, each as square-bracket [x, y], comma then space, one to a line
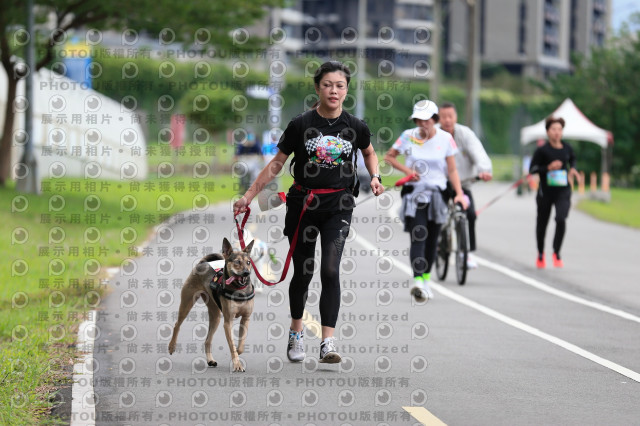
[515, 345]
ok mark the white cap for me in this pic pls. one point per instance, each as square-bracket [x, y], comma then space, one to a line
[424, 110]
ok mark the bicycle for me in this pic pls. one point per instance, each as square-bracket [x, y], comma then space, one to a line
[453, 238]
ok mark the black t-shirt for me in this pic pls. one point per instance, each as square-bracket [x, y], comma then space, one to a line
[324, 152]
[545, 155]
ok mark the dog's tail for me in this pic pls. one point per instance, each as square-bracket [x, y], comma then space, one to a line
[211, 257]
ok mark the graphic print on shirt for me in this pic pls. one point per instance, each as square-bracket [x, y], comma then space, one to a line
[328, 151]
[415, 138]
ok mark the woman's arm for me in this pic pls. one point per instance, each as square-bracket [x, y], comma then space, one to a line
[390, 158]
[455, 181]
[266, 175]
[371, 162]
[536, 165]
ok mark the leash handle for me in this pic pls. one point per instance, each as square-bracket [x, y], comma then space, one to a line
[292, 247]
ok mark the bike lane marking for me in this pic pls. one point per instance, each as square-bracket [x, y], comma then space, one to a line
[513, 322]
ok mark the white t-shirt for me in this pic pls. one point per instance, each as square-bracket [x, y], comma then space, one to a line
[427, 156]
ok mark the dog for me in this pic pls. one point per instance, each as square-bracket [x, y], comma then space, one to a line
[223, 281]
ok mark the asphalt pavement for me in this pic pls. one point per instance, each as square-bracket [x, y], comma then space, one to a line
[515, 345]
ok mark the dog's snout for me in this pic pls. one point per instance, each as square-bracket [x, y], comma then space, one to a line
[246, 273]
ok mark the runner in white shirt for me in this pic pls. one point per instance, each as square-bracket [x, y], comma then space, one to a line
[429, 157]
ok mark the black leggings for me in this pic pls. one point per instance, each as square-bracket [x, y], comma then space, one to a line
[334, 229]
[471, 220]
[561, 199]
[424, 240]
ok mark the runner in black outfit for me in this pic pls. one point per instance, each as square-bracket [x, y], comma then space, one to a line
[324, 141]
[554, 162]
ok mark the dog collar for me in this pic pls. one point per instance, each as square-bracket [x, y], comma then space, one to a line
[232, 279]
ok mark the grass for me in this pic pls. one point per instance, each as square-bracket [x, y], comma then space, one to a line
[56, 254]
[623, 208]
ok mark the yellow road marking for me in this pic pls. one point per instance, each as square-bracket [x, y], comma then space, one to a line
[424, 416]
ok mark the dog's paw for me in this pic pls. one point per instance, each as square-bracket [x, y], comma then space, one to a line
[237, 366]
[212, 363]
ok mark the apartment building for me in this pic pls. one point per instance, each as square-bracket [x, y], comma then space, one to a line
[529, 37]
[396, 31]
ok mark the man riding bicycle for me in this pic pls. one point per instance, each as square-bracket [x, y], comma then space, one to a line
[471, 161]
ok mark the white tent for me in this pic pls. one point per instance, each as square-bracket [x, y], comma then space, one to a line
[577, 127]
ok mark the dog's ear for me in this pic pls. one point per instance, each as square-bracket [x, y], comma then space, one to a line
[226, 248]
[248, 248]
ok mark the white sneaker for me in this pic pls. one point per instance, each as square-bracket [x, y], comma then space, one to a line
[295, 346]
[328, 352]
[427, 290]
[471, 263]
[421, 290]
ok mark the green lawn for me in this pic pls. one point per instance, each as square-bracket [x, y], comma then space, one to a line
[624, 208]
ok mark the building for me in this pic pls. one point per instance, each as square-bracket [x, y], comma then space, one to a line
[397, 32]
[534, 38]
[530, 37]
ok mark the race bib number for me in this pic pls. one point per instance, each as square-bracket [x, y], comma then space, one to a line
[557, 178]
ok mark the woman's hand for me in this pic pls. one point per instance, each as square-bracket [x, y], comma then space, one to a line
[240, 206]
[462, 199]
[555, 165]
[376, 187]
[573, 172]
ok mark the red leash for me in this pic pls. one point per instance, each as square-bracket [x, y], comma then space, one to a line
[292, 247]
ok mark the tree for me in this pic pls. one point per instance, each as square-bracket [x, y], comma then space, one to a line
[605, 85]
[200, 23]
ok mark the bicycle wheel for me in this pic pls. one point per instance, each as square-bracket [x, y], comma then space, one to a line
[442, 253]
[462, 248]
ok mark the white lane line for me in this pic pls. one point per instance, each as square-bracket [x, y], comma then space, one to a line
[513, 322]
[83, 403]
[547, 288]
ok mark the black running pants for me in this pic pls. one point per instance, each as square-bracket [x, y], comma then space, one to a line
[333, 229]
[561, 199]
[424, 241]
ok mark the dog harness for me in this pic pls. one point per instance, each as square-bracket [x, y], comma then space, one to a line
[219, 286]
[309, 198]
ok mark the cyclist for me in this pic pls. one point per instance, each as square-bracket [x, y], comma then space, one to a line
[471, 160]
[429, 158]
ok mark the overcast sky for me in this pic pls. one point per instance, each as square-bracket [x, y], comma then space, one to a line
[621, 11]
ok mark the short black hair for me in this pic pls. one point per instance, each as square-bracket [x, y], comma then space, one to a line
[551, 120]
[331, 66]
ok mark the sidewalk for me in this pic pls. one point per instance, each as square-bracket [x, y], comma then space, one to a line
[601, 259]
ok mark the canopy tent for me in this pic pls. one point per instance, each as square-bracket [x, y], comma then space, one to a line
[577, 127]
